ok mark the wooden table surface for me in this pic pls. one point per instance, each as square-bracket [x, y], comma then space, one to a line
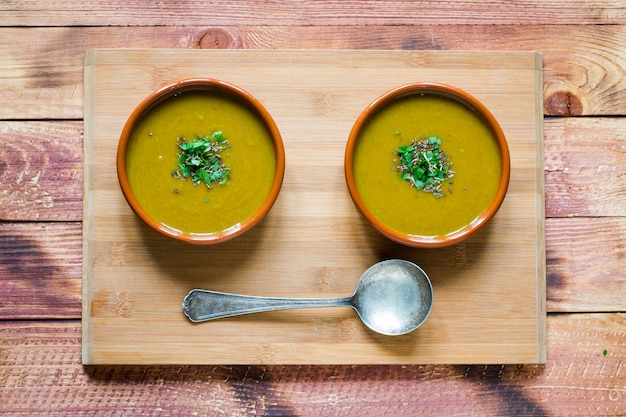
[41, 178]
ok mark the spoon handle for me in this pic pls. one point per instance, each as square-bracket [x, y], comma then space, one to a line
[203, 305]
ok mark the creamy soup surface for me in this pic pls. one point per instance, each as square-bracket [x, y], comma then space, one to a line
[152, 157]
[466, 140]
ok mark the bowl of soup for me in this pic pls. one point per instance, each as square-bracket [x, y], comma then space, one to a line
[201, 161]
[427, 165]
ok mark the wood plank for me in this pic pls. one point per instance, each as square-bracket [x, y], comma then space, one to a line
[128, 271]
[41, 171]
[586, 264]
[585, 167]
[43, 75]
[40, 266]
[323, 12]
[41, 373]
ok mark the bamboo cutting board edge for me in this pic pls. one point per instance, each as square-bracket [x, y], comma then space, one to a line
[88, 207]
[542, 353]
[90, 160]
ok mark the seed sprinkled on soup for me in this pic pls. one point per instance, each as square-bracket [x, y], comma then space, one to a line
[424, 165]
[201, 160]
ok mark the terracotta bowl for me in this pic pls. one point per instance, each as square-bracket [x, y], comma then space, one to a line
[418, 239]
[208, 86]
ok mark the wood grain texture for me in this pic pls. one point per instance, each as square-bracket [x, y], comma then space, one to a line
[585, 167]
[590, 276]
[578, 379]
[324, 12]
[43, 75]
[41, 171]
[579, 279]
[40, 270]
[42, 45]
[128, 271]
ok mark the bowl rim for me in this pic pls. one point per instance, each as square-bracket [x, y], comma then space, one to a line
[468, 100]
[195, 84]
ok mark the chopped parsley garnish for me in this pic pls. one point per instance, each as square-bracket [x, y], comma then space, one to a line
[201, 160]
[424, 165]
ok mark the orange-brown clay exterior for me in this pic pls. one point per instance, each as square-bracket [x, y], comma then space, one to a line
[471, 102]
[196, 84]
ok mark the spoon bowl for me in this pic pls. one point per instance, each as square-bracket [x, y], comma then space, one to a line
[392, 297]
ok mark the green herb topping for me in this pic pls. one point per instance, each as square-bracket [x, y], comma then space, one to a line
[201, 160]
[424, 165]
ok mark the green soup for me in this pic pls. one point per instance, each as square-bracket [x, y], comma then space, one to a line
[466, 140]
[152, 158]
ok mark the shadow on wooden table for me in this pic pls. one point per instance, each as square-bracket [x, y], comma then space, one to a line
[286, 390]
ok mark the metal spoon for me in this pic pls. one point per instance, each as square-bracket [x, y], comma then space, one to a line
[392, 297]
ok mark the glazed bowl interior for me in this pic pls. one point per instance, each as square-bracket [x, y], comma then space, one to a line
[242, 165]
[396, 208]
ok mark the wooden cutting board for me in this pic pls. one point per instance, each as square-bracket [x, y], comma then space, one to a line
[489, 291]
